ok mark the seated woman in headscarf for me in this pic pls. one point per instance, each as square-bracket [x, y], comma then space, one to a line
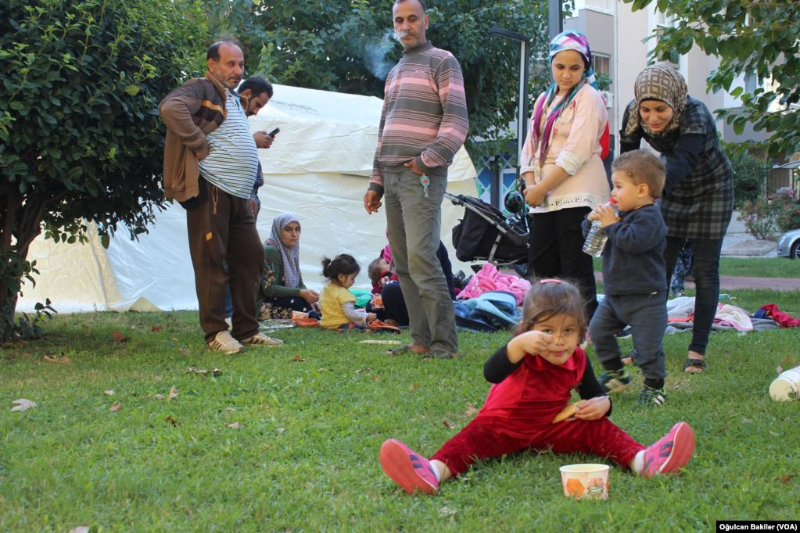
[281, 289]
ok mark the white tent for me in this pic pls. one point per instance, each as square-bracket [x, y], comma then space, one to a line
[317, 168]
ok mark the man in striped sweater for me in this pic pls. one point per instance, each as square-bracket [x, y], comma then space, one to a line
[210, 165]
[423, 124]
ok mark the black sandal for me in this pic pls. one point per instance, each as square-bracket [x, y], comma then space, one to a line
[698, 363]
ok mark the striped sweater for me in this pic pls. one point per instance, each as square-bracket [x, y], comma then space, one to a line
[424, 114]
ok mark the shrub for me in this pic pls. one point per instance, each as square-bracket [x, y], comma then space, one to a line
[749, 173]
[787, 212]
[759, 217]
[80, 137]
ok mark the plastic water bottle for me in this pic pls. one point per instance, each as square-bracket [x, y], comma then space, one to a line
[786, 386]
[596, 238]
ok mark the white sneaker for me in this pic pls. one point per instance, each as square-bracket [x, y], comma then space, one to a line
[259, 339]
[224, 342]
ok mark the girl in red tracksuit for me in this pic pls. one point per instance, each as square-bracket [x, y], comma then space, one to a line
[533, 376]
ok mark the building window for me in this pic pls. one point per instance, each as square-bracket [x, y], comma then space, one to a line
[751, 82]
[601, 64]
[600, 5]
[663, 20]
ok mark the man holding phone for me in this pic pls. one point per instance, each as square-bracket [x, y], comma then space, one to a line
[257, 92]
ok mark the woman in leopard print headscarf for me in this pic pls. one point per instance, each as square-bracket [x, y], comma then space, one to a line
[698, 196]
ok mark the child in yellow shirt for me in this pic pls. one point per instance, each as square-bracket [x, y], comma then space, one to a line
[337, 303]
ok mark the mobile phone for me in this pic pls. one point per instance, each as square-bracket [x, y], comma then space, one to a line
[274, 132]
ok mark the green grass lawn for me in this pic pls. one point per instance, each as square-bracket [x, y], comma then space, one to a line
[773, 267]
[287, 439]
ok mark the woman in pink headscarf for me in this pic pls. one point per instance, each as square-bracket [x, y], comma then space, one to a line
[562, 167]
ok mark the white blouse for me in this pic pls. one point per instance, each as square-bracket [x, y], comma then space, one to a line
[575, 147]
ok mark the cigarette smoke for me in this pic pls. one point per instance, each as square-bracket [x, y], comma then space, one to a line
[376, 52]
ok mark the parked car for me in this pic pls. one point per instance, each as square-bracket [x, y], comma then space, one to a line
[789, 244]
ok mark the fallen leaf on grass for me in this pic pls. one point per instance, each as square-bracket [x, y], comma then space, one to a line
[363, 370]
[779, 369]
[158, 397]
[22, 405]
[235, 425]
[156, 328]
[447, 424]
[119, 338]
[785, 478]
[230, 408]
[414, 386]
[446, 511]
[173, 393]
[203, 372]
[172, 421]
[281, 430]
[64, 360]
[108, 392]
[375, 377]
[81, 529]
[471, 410]
[13, 345]
[298, 359]
[116, 407]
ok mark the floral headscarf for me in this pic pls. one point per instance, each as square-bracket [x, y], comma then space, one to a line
[290, 255]
[658, 82]
[568, 40]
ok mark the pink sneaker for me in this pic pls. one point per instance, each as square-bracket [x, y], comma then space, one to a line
[407, 468]
[670, 453]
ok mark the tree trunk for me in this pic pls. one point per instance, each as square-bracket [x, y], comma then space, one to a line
[22, 222]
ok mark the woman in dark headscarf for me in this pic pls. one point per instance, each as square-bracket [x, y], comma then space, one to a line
[281, 289]
[698, 195]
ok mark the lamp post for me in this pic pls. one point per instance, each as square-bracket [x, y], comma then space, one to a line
[555, 15]
[522, 107]
[555, 26]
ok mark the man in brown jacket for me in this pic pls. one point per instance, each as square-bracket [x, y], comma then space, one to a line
[210, 165]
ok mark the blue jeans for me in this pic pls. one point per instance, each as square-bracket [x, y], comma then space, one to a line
[706, 280]
[646, 314]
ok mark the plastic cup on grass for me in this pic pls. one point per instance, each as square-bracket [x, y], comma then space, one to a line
[589, 481]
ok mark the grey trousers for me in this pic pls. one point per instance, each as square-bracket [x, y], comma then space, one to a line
[647, 316]
[414, 223]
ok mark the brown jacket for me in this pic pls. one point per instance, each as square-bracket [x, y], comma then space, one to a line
[190, 112]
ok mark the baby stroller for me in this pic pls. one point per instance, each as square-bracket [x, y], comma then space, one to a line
[485, 234]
